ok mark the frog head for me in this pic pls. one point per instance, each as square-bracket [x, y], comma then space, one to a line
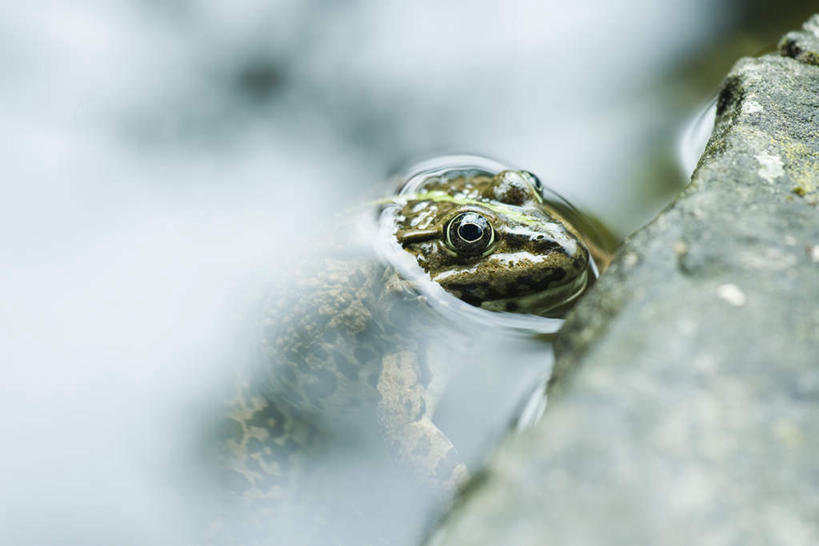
[493, 240]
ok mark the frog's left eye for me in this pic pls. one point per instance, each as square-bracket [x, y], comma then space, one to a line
[469, 233]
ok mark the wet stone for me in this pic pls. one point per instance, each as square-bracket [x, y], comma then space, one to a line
[684, 406]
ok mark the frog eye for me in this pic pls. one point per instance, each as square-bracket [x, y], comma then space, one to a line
[469, 233]
[534, 181]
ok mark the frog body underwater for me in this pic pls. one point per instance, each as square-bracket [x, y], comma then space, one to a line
[346, 342]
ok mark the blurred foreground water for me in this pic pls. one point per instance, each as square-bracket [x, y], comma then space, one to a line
[164, 161]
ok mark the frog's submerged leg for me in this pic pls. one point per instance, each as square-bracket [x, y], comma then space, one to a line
[262, 446]
[403, 413]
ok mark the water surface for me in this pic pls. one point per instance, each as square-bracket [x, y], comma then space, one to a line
[164, 161]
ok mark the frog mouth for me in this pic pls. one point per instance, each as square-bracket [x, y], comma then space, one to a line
[551, 302]
[539, 284]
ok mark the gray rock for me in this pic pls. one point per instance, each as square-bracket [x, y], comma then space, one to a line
[684, 407]
[803, 45]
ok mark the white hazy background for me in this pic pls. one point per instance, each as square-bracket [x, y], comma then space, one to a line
[162, 160]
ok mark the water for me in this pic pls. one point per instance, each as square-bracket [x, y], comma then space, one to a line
[695, 137]
[398, 384]
[164, 160]
[353, 488]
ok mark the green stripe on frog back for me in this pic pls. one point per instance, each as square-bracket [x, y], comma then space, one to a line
[510, 211]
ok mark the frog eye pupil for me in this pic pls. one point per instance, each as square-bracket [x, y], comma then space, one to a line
[469, 234]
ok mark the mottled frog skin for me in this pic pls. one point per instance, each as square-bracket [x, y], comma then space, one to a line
[494, 241]
[344, 343]
[336, 349]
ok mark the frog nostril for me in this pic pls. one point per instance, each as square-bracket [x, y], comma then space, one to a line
[470, 232]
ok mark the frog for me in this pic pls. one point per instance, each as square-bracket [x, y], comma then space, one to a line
[335, 345]
[497, 242]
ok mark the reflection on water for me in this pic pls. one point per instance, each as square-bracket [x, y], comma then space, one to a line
[695, 137]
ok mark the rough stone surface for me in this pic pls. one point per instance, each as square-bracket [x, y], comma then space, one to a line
[803, 45]
[684, 408]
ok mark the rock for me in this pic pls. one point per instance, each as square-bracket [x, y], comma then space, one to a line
[684, 407]
[803, 45]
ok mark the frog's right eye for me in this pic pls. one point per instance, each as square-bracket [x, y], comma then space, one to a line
[517, 187]
[469, 233]
[534, 181]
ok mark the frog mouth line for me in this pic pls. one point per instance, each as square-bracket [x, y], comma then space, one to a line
[554, 298]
